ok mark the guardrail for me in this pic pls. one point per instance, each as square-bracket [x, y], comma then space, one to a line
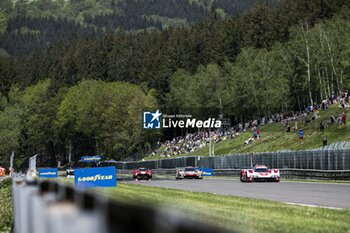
[316, 174]
[285, 173]
[296, 173]
[52, 207]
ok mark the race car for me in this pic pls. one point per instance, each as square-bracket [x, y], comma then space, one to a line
[188, 172]
[142, 174]
[260, 173]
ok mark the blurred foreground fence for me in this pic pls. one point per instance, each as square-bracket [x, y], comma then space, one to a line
[331, 159]
[51, 207]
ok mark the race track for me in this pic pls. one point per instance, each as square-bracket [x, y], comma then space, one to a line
[318, 194]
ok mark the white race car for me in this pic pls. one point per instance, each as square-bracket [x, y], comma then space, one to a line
[188, 172]
[260, 173]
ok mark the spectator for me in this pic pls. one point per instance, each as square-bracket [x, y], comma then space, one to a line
[301, 134]
[288, 129]
[314, 115]
[255, 134]
[340, 121]
[249, 140]
[240, 127]
[343, 118]
[321, 127]
[324, 105]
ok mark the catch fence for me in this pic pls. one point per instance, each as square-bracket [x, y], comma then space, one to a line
[331, 159]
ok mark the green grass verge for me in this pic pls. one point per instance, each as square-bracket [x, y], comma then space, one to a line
[235, 213]
[5, 206]
[274, 137]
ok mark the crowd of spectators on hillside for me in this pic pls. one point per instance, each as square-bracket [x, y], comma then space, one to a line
[343, 103]
[193, 141]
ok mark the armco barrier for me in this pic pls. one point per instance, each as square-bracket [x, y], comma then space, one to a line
[316, 174]
[285, 173]
[51, 207]
[331, 159]
[295, 174]
[234, 173]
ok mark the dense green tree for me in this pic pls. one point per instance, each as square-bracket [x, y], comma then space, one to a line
[254, 78]
[11, 124]
[2, 21]
[110, 113]
[7, 74]
[318, 58]
[39, 112]
[187, 96]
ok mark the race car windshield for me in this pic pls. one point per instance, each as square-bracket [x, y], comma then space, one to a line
[261, 170]
[143, 169]
[189, 169]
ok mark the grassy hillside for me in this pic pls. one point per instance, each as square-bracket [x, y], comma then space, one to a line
[274, 137]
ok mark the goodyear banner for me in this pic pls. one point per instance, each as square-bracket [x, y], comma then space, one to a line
[95, 177]
[207, 171]
[87, 159]
[48, 173]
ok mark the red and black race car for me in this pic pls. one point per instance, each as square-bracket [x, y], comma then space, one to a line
[142, 174]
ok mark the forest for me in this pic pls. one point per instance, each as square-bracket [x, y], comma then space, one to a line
[85, 94]
[41, 23]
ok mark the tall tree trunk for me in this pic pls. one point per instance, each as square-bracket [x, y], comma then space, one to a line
[321, 75]
[307, 61]
[70, 151]
[320, 79]
[328, 82]
[298, 100]
[330, 53]
[332, 83]
[341, 79]
[324, 84]
[308, 67]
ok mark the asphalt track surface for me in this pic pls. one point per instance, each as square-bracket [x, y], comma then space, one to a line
[305, 193]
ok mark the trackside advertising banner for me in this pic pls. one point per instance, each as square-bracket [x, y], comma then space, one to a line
[95, 177]
[48, 172]
[207, 171]
[88, 159]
